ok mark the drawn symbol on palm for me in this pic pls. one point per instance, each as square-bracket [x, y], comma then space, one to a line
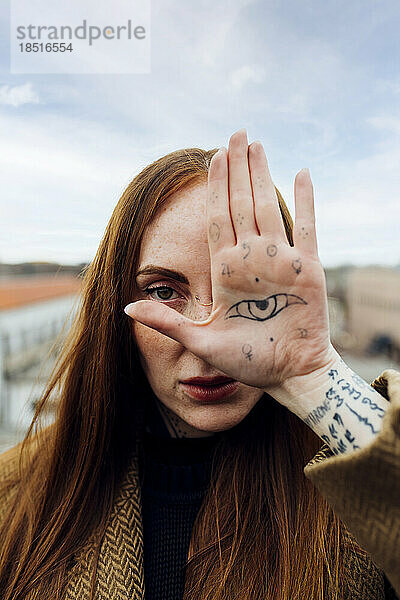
[262, 310]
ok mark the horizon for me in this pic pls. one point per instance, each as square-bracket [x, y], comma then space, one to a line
[394, 266]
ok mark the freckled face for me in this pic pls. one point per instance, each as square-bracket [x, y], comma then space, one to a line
[177, 240]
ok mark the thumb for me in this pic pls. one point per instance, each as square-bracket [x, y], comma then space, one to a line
[164, 319]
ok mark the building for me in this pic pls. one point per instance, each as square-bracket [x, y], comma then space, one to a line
[34, 310]
[373, 309]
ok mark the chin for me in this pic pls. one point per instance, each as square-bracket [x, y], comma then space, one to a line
[216, 418]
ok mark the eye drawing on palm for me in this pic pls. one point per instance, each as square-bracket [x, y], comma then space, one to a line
[262, 310]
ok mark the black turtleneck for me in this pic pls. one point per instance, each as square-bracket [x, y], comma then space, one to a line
[175, 473]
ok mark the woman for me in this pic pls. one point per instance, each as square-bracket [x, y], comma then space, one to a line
[185, 424]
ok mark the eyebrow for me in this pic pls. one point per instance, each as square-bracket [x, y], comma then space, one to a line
[155, 270]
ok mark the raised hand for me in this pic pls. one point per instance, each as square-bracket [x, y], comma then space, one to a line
[269, 319]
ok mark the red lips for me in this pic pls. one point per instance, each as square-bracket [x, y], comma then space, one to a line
[210, 389]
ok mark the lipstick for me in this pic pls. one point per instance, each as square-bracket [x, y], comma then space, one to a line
[210, 389]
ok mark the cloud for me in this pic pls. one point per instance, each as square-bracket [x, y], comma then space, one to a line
[57, 196]
[391, 124]
[247, 74]
[18, 95]
[357, 210]
[294, 75]
[390, 85]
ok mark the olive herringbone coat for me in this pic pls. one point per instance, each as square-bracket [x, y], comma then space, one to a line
[363, 488]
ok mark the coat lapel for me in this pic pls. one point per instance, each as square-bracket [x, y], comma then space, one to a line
[119, 574]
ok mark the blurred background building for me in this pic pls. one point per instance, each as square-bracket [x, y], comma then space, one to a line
[37, 304]
[373, 302]
[364, 313]
[39, 300]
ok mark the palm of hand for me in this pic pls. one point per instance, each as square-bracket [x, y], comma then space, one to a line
[269, 320]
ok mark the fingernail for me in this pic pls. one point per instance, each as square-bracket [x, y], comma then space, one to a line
[254, 145]
[242, 131]
[128, 307]
[306, 170]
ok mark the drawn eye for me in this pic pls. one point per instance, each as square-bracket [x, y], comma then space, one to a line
[261, 310]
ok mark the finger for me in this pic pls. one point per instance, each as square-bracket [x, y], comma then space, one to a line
[266, 207]
[304, 234]
[240, 193]
[164, 320]
[220, 230]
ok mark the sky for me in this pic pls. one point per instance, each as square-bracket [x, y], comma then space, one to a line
[317, 82]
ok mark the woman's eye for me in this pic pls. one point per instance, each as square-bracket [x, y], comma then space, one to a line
[163, 292]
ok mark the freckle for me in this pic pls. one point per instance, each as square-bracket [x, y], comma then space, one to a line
[257, 279]
[271, 339]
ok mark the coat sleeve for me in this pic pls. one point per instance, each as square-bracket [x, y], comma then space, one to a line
[363, 487]
[10, 470]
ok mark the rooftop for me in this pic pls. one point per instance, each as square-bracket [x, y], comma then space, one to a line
[19, 291]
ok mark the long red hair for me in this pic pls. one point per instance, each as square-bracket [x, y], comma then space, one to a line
[263, 530]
